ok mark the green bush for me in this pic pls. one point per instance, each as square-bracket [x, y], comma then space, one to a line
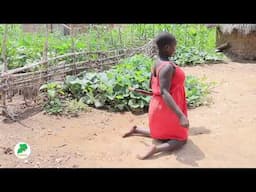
[197, 90]
[73, 107]
[54, 104]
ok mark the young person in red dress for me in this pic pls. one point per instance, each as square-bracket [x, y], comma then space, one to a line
[168, 120]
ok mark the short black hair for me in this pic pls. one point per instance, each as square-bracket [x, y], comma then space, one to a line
[163, 39]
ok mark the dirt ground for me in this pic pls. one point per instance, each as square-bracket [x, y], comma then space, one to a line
[221, 135]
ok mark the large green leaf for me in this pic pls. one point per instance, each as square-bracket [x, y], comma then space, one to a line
[51, 93]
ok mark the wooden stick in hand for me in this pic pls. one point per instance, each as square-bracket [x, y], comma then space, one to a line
[141, 91]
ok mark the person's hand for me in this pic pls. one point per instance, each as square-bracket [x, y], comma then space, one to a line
[184, 121]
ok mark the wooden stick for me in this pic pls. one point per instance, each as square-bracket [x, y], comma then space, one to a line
[66, 26]
[141, 91]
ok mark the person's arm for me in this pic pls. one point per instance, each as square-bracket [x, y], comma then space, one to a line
[165, 77]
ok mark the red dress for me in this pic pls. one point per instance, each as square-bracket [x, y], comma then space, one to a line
[163, 122]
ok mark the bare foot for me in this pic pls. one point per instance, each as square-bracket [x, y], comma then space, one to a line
[150, 152]
[130, 132]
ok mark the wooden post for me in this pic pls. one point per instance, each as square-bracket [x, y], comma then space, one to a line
[199, 41]
[153, 30]
[144, 32]
[45, 51]
[111, 35]
[120, 36]
[73, 48]
[51, 27]
[5, 68]
[66, 29]
[88, 40]
[132, 35]
[186, 33]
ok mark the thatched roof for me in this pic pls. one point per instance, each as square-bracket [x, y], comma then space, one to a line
[229, 28]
